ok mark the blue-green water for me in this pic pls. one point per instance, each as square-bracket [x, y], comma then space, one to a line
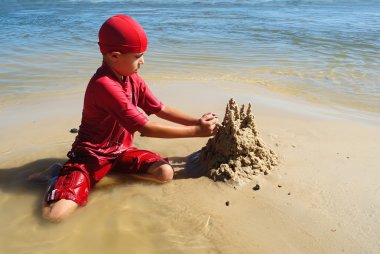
[325, 51]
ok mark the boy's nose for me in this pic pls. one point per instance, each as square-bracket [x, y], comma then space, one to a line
[142, 60]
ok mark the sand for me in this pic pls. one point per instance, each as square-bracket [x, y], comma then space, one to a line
[324, 196]
[236, 154]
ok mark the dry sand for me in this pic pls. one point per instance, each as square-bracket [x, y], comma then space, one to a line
[323, 198]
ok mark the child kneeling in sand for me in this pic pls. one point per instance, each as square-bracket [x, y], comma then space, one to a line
[109, 120]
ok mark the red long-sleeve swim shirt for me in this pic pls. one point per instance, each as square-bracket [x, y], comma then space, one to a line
[110, 115]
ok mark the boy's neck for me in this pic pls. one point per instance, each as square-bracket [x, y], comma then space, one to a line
[118, 76]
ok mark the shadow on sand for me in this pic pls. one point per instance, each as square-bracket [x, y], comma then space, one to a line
[15, 179]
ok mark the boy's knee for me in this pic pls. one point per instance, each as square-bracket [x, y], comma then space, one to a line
[52, 216]
[59, 210]
[165, 173]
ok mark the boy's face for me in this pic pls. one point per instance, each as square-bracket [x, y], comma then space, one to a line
[126, 64]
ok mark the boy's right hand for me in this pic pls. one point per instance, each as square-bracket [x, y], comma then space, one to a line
[208, 125]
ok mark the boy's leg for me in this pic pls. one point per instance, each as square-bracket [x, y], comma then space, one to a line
[59, 210]
[65, 193]
[159, 172]
[144, 165]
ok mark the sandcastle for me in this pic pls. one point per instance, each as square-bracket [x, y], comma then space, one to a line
[236, 153]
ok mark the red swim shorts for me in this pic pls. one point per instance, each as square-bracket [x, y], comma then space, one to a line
[77, 178]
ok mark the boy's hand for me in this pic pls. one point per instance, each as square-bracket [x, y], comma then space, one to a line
[208, 125]
[204, 127]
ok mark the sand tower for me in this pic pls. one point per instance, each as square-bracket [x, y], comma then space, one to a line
[236, 153]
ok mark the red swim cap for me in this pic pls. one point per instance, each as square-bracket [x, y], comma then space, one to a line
[123, 34]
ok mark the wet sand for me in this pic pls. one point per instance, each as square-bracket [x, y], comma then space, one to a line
[324, 197]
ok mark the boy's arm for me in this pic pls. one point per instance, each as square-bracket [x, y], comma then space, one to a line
[204, 127]
[176, 116]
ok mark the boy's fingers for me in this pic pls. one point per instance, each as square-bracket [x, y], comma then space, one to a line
[210, 119]
[209, 116]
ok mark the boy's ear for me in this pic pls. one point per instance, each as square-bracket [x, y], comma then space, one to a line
[114, 55]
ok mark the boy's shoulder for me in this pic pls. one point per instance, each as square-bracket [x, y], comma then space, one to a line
[105, 78]
[101, 80]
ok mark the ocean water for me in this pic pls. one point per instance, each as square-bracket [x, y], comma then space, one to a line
[326, 51]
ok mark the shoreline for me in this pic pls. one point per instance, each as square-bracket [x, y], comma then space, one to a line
[260, 95]
[328, 164]
[265, 97]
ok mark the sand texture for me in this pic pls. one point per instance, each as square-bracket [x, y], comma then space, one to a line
[237, 153]
[323, 198]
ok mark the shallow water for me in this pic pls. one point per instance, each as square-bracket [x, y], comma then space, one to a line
[122, 216]
[324, 51]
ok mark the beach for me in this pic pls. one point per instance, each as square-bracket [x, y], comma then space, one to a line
[309, 70]
[322, 198]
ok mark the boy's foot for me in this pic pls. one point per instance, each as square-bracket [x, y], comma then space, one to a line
[45, 175]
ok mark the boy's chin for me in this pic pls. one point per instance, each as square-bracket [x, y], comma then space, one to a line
[129, 73]
[133, 72]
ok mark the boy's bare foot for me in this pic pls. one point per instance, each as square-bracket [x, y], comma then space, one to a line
[45, 175]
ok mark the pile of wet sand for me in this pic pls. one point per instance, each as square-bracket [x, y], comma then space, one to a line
[236, 153]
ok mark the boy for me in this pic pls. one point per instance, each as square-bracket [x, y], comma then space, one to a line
[110, 118]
